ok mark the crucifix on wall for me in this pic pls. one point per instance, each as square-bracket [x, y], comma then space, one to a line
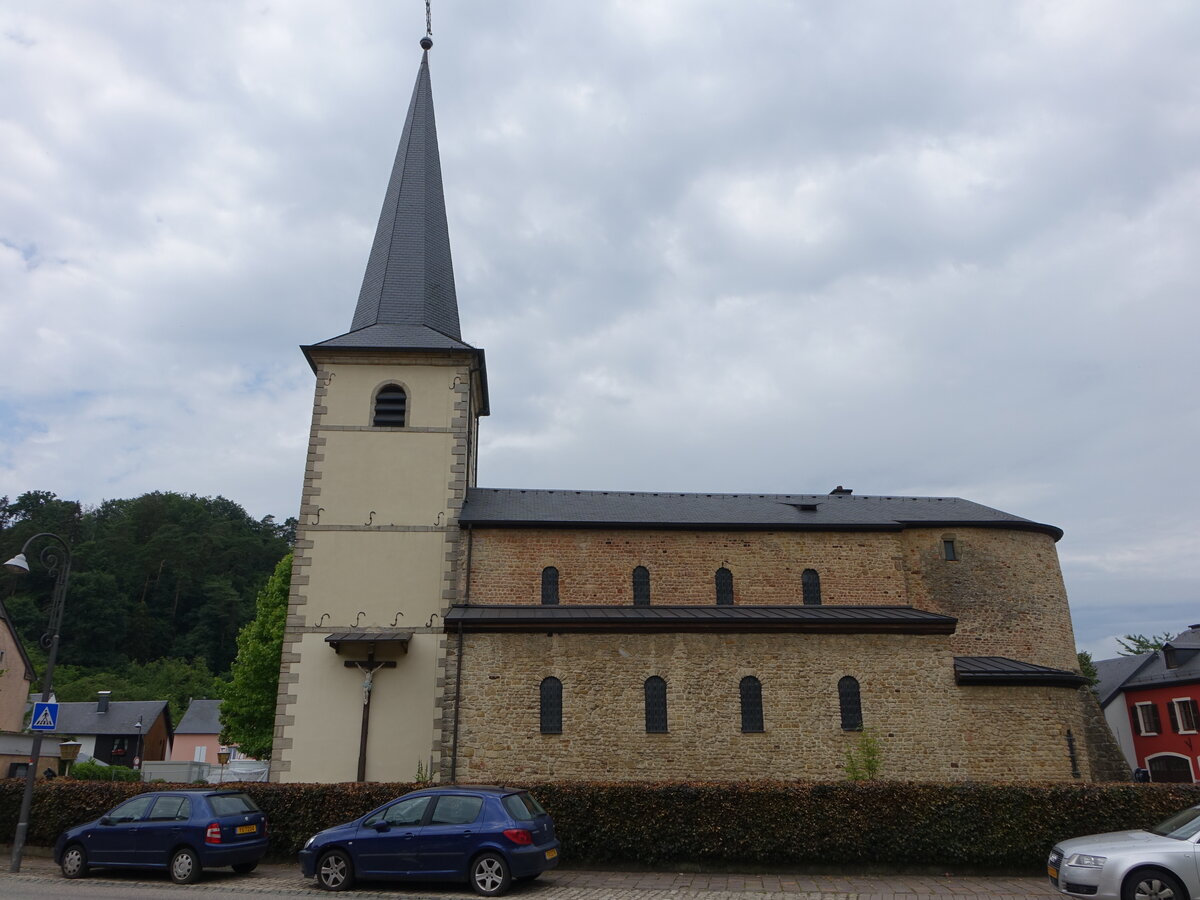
[368, 667]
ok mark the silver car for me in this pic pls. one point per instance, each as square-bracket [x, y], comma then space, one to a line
[1162, 863]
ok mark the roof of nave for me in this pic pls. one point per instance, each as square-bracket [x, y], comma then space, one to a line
[839, 511]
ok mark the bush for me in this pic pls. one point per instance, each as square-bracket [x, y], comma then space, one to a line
[94, 771]
[873, 824]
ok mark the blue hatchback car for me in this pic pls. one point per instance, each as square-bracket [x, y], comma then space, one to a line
[180, 831]
[487, 836]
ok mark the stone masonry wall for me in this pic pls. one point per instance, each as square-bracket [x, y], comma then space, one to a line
[928, 728]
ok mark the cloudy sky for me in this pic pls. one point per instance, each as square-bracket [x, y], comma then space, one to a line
[916, 248]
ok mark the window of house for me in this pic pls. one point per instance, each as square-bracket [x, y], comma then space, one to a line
[391, 406]
[851, 704]
[199, 753]
[810, 583]
[950, 548]
[1145, 718]
[641, 586]
[1183, 715]
[549, 586]
[752, 708]
[656, 705]
[551, 704]
[724, 587]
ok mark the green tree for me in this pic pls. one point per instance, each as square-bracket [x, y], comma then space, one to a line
[1087, 666]
[248, 703]
[1134, 644]
[864, 760]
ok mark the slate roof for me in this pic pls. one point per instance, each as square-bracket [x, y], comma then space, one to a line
[615, 509]
[407, 299]
[202, 717]
[575, 617]
[1149, 670]
[121, 718]
[970, 670]
[338, 638]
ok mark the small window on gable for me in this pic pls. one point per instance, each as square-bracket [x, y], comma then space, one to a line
[950, 549]
[656, 705]
[752, 709]
[810, 583]
[551, 705]
[724, 587]
[641, 586]
[391, 406]
[851, 704]
[1146, 718]
[549, 586]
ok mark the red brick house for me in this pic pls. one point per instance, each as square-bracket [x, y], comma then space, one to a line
[1150, 701]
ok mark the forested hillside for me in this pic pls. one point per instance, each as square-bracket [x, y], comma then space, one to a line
[159, 587]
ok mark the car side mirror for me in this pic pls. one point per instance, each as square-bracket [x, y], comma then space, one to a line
[381, 826]
[106, 820]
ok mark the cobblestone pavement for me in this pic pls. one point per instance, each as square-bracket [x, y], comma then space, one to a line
[282, 879]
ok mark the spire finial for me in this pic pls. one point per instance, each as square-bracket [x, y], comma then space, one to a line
[427, 41]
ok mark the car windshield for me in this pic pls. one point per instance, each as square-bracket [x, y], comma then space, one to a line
[232, 804]
[523, 807]
[1181, 826]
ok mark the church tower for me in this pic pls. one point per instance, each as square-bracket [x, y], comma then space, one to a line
[392, 451]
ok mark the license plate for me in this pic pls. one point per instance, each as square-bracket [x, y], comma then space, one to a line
[550, 854]
[247, 829]
[1052, 871]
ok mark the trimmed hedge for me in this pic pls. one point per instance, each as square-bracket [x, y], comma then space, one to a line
[748, 825]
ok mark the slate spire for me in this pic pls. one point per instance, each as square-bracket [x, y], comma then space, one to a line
[407, 300]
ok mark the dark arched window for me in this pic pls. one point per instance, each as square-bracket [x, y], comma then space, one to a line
[641, 586]
[724, 587]
[550, 586]
[810, 582]
[851, 704]
[752, 712]
[551, 702]
[391, 406]
[656, 704]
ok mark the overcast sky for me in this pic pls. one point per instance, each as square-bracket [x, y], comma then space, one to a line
[915, 248]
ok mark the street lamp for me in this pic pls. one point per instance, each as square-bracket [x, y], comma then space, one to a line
[223, 758]
[56, 557]
[68, 752]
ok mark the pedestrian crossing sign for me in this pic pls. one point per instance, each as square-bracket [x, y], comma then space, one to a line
[45, 717]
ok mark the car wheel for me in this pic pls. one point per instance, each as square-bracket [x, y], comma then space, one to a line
[335, 871]
[245, 868]
[74, 862]
[185, 866]
[489, 875]
[1152, 884]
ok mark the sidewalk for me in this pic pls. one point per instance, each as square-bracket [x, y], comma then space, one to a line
[284, 879]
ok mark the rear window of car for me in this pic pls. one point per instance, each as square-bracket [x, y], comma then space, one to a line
[232, 804]
[523, 807]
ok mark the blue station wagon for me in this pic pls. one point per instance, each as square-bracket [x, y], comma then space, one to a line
[487, 836]
[180, 831]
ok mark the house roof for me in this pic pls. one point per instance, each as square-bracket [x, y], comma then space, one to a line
[993, 670]
[201, 717]
[121, 718]
[837, 511]
[1150, 670]
[828, 619]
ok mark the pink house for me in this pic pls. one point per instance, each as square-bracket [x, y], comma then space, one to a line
[197, 739]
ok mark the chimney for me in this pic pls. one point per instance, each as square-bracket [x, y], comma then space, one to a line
[841, 490]
[102, 698]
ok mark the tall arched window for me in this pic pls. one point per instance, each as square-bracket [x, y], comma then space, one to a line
[810, 582]
[752, 710]
[550, 586]
[656, 705]
[391, 406]
[551, 705]
[851, 704]
[641, 586]
[724, 587]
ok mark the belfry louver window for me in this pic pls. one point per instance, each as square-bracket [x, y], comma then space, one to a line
[391, 406]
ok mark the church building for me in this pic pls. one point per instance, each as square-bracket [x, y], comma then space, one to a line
[440, 629]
